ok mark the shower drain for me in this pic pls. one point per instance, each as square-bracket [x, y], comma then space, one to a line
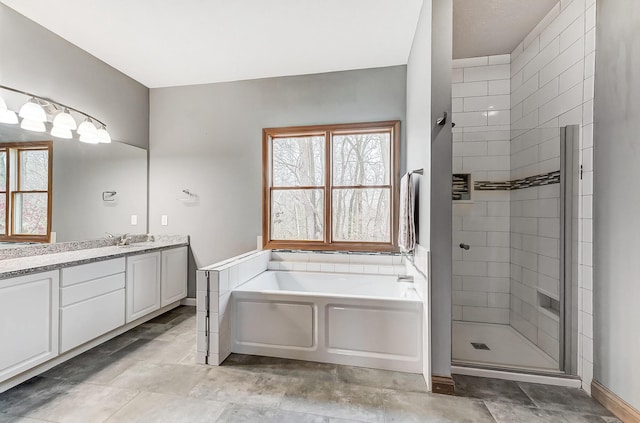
[480, 346]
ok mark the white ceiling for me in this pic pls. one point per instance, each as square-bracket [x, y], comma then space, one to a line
[168, 43]
[487, 27]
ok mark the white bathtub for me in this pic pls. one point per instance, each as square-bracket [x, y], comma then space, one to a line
[359, 320]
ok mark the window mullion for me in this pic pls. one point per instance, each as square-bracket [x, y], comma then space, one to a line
[328, 162]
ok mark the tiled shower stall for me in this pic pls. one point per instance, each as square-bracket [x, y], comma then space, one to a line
[508, 112]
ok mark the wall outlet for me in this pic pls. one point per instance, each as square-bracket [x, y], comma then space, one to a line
[134, 219]
[165, 220]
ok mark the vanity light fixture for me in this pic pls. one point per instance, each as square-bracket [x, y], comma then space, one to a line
[34, 118]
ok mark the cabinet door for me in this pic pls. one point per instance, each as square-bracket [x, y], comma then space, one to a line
[28, 322]
[143, 285]
[174, 275]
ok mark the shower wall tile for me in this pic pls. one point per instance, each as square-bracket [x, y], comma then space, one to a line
[551, 86]
[485, 315]
[482, 149]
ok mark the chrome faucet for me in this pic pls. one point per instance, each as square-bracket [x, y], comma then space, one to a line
[123, 240]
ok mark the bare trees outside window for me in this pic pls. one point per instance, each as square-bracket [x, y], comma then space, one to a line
[25, 191]
[331, 187]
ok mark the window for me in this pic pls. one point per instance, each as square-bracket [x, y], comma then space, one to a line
[25, 191]
[331, 187]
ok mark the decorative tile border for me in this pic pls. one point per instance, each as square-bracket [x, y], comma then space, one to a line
[492, 186]
[528, 182]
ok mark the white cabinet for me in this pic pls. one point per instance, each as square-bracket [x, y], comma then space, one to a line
[174, 275]
[28, 321]
[143, 285]
[92, 301]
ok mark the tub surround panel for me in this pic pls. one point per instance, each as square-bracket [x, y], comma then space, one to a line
[361, 320]
[213, 294]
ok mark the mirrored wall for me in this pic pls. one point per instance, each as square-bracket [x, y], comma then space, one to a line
[95, 188]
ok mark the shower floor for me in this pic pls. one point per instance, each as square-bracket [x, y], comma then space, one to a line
[507, 348]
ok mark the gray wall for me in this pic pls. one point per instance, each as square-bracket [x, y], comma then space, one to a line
[207, 138]
[34, 59]
[419, 106]
[441, 139]
[617, 199]
[429, 147]
[81, 173]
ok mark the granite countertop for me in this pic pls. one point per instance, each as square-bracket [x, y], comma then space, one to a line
[20, 266]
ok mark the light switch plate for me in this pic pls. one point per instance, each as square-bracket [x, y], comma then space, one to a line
[165, 220]
[134, 219]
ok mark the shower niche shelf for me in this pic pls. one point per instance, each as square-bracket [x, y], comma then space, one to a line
[549, 305]
[461, 188]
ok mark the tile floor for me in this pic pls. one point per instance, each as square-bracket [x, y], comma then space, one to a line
[149, 375]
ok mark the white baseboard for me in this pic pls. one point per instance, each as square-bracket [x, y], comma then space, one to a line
[191, 302]
[518, 377]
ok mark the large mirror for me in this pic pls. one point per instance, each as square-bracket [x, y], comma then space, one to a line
[95, 188]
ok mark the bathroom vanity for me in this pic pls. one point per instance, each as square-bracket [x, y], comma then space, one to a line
[55, 306]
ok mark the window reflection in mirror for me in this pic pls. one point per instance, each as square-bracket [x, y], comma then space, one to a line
[25, 178]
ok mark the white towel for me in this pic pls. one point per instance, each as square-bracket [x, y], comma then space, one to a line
[407, 227]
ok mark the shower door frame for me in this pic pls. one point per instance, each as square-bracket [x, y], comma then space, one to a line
[570, 175]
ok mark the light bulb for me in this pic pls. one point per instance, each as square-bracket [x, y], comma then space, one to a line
[58, 132]
[64, 120]
[89, 139]
[103, 135]
[9, 116]
[87, 127]
[31, 110]
[33, 125]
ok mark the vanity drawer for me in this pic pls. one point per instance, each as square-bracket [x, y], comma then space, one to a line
[84, 321]
[90, 289]
[89, 271]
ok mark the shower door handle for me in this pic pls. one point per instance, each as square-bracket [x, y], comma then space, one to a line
[464, 246]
